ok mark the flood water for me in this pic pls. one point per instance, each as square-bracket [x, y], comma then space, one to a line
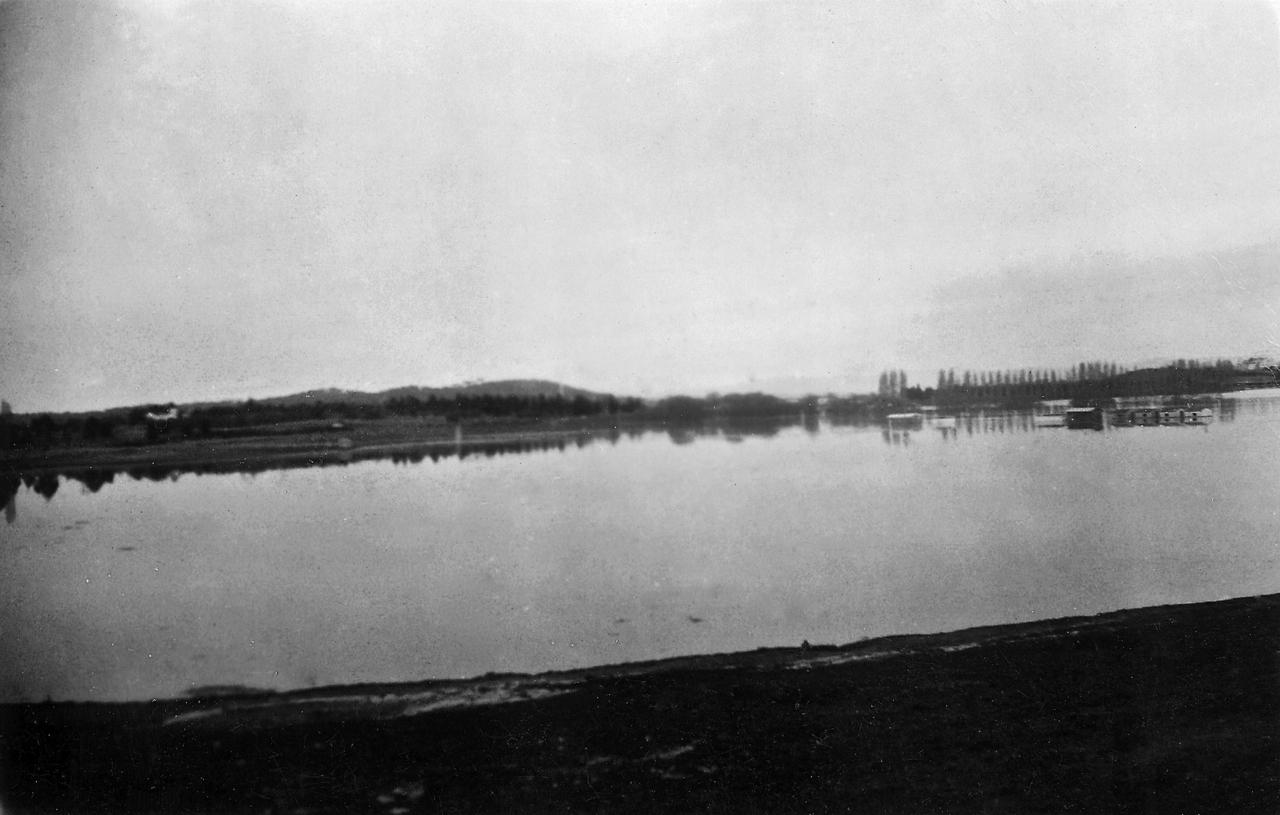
[638, 546]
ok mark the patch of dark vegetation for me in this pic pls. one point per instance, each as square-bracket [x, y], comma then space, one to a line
[316, 413]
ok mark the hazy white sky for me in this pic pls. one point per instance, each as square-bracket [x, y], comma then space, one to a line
[203, 200]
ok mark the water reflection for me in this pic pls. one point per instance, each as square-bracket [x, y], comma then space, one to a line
[9, 486]
[756, 534]
[490, 448]
[682, 434]
[895, 436]
[812, 422]
[46, 485]
[897, 432]
[92, 478]
[948, 428]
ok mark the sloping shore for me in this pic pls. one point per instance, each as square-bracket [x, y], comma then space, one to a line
[357, 441]
[1167, 709]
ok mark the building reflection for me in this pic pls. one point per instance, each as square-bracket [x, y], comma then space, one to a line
[995, 422]
[898, 437]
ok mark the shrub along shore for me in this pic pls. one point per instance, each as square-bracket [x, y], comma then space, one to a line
[1166, 709]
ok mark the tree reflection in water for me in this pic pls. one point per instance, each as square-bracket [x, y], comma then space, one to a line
[46, 485]
[680, 432]
[94, 478]
[1003, 422]
[10, 483]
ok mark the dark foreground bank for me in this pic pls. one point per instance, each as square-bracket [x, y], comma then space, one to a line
[1170, 709]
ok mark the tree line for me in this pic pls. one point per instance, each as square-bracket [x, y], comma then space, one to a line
[731, 405]
[1082, 381]
[132, 425]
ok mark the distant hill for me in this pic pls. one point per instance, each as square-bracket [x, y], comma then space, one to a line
[505, 387]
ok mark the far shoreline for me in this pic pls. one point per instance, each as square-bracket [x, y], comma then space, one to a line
[356, 441]
[362, 439]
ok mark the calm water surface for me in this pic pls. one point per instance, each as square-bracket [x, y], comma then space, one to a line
[640, 547]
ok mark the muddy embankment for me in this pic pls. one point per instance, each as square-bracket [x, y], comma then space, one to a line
[1170, 709]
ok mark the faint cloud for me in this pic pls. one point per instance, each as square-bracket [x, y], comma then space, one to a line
[1106, 306]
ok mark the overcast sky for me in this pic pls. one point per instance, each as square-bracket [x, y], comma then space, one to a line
[205, 200]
